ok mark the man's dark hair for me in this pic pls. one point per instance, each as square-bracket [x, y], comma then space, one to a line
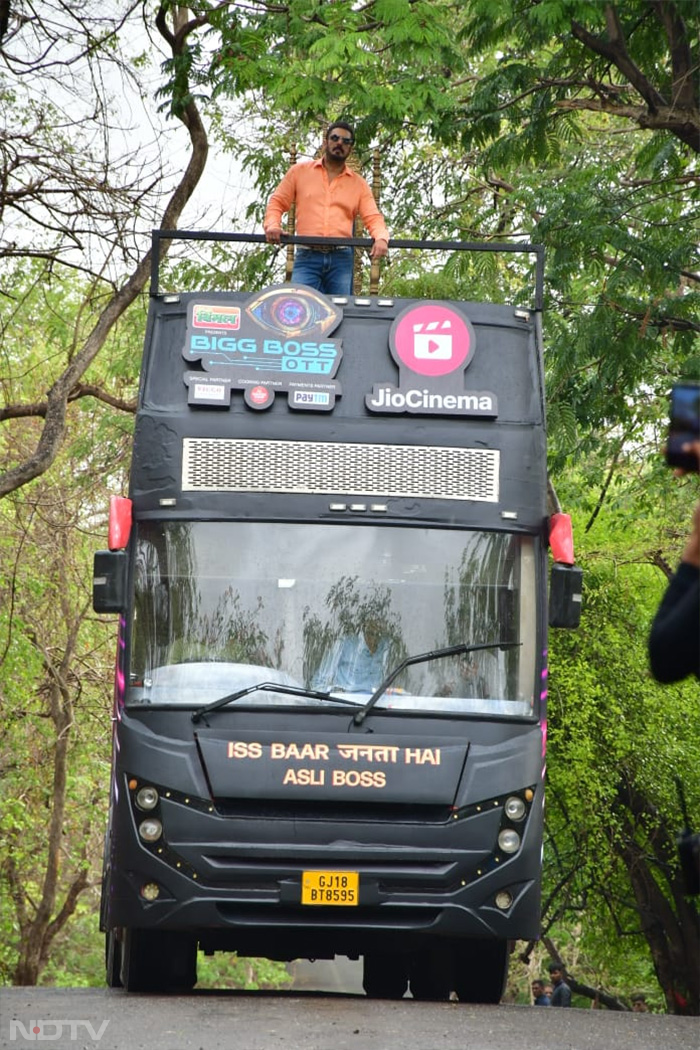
[341, 124]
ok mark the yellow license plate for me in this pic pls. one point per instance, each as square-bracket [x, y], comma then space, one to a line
[330, 887]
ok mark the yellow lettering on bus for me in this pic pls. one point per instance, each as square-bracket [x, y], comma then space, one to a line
[419, 756]
[244, 749]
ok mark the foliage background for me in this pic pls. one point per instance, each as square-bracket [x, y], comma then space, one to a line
[568, 123]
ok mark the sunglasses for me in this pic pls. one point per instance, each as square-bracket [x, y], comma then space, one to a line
[340, 138]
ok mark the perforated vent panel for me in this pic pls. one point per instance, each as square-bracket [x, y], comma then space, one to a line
[230, 465]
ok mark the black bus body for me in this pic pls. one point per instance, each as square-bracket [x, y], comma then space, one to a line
[331, 574]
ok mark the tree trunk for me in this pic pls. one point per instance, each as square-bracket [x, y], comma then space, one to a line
[669, 921]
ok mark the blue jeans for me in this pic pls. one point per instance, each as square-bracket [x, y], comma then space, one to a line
[329, 272]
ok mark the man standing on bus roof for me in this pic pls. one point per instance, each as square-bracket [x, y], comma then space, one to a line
[328, 197]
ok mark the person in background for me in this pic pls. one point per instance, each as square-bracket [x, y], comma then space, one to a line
[357, 663]
[328, 197]
[539, 996]
[561, 994]
[674, 640]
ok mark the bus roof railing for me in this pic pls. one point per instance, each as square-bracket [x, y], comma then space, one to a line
[354, 242]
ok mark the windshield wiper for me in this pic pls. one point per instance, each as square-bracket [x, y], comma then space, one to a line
[422, 658]
[269, 687]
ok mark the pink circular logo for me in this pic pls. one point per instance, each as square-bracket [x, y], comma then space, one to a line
[259, 395]
[432, 340]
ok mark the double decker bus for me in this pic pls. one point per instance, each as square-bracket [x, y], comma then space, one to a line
[331, 574]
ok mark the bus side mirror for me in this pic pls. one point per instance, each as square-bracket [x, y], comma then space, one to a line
[565, 587]
[109, 581]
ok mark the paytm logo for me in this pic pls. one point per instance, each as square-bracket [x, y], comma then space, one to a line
[37, 1031]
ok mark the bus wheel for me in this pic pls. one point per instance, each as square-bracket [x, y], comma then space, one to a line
[431, 974]
[480, 970]
[113, 959]
[384, 975]
[158, 961]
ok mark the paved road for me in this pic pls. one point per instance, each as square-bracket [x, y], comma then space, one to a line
[317, 1021]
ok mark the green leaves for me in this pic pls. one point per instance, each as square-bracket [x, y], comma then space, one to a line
[511, 120]
[383, 63]
[616, 743]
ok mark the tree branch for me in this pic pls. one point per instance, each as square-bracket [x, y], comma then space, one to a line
[604, 490]
[39, 408]
[59, 395]
[616, 52]
[666, 118]
[16, 891]
[683, 86]
[681, 115]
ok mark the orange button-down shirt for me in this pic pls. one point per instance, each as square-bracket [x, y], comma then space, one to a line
[324, 209]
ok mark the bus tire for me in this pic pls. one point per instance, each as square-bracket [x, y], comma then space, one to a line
[431, 974]
[158, 961]
[113, 960]
[384, 975]
[480, 970]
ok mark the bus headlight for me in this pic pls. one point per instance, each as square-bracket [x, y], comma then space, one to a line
[514, 808]
[147, 798]
[151, 829]
[509, 840]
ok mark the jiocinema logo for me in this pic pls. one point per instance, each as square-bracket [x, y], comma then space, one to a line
[37, 1031]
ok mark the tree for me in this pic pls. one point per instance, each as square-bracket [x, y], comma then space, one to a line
[617, 740]
[573, 125]
[513, 107]
[577, 95]
[634, 61]
[65, 188]
[570, 124]
[71, 195]
[64, 199]
[54, 695]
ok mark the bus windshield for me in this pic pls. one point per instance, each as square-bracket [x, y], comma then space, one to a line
[221, 606]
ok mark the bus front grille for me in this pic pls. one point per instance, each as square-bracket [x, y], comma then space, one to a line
[340, 469]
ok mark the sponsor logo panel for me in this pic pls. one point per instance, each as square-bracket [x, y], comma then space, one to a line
[433, 344]
[283, 332]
